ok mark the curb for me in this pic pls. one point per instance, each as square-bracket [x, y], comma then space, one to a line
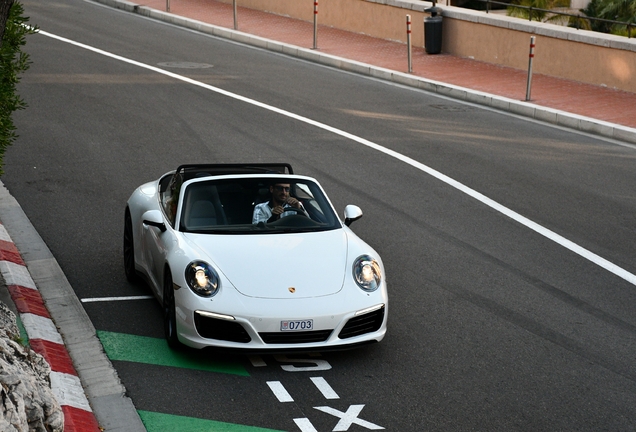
[83, 380]
[45, 339]
[521, 108]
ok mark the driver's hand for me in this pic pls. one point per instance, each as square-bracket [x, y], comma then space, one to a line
[278, 210]
[293, 202]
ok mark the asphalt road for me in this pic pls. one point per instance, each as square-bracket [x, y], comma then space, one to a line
[493, 326]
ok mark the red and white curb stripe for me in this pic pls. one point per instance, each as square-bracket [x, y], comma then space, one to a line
[45, 339]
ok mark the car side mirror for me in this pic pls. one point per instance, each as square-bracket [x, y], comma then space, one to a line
[352, 213]
[155, 219]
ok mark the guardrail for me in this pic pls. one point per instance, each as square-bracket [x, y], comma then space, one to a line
[573, 17]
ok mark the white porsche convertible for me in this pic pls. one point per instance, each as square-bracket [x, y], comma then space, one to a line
[251, 256]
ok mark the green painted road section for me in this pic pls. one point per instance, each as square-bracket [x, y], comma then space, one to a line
[142, 349]
[158, 422]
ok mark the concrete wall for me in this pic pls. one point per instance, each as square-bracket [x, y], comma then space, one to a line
[579, 55]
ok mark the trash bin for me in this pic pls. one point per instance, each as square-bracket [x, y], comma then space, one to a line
[433, 31]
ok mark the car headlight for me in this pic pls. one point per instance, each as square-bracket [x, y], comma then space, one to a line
[202, 279]
[367, 273]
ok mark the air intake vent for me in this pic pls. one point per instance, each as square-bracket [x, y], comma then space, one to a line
[362, 324]
[295, 337]
[212, 328]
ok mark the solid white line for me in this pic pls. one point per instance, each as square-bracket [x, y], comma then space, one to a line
[596, 259]
[109, 299]
[279, 391]
[324, 388]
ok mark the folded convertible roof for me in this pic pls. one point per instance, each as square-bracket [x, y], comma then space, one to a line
[198, 170]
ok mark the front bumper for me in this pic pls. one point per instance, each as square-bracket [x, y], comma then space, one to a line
[200, 323]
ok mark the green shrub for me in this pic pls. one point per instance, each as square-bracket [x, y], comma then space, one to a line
[13, 61]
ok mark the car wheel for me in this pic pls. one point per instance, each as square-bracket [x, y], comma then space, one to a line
[169, 314]
[129, 250]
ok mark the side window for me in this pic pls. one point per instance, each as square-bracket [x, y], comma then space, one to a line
[170, 197]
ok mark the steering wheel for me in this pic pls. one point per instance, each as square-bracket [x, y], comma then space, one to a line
[300, 211]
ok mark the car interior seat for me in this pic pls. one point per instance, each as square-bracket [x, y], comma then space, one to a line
[202, 207]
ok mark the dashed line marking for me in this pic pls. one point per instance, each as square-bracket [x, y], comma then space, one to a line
[324, 388]
[305, 425]
[279, 391]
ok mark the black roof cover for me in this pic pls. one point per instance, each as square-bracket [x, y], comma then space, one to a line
[199, 170]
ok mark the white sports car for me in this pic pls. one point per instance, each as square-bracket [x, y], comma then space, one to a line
[251, 256]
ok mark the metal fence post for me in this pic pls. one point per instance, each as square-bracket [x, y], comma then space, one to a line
[235, 15]
[315, 24]
[167, 5]
[408, 42]
[529, 85]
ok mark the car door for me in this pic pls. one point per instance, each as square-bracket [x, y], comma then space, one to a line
[155, 250]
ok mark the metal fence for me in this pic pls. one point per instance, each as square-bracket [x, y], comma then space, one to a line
[574, 19]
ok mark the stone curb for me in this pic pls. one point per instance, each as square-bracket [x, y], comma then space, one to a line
[83, 379]
[524, 109]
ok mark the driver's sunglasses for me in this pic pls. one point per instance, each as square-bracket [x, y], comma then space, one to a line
[282, 188]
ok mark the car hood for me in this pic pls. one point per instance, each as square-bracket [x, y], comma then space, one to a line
[279, 266]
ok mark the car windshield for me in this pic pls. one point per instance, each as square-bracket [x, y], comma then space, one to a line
[255, 206]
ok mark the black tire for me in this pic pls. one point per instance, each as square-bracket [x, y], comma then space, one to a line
[169, 314]
[129, 250]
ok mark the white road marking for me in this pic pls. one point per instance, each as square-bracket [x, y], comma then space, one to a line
[324, 388]
[305, 425]
[279, 391]
[596, 259]
[110, 299]
[318, 365]
[348, 418]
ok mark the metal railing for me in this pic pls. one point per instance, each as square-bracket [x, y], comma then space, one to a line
[578, 19]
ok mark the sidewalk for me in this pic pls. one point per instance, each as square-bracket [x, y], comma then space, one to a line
[593, 109]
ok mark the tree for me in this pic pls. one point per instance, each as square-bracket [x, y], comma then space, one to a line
[13, 61]
[615, 10]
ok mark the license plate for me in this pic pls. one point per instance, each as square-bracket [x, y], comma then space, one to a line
[297, 325]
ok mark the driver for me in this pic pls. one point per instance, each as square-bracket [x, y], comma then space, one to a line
[274, 209]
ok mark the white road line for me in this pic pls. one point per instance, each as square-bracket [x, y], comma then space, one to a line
[324, 388]
[279, 391]
[596, 259]
[110, 299]
[305, 425]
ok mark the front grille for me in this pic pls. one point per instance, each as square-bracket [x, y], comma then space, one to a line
[212, 328]
[362, 324]
[295, 337]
